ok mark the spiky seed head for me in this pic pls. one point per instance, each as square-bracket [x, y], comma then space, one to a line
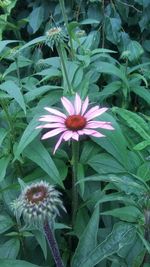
[38, 202]
[55, 36]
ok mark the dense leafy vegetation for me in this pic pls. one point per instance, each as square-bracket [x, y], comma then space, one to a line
[100, 49]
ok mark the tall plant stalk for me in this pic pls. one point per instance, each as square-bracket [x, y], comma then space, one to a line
[53, 244]
[62, 5]
[75, 159]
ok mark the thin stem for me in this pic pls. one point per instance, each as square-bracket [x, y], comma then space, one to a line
[59, 50]
[75, 159]
[62, 5]
[53, 245]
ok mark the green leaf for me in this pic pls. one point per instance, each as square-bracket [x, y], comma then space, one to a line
[3, 133]
[88, 240]
[16, 263]
[3, 44]
[35, 41]
[125, 183]
[28, 136]
[134, 121]
[38, 154]
[122, 235]
[113, 28]
[5, 223]
[14, 91]
[144, 171]
[129, 214]
[142, 92]
[110, 90]
[39, 91]
[109, 68]
[142, 145]
[10, 249]
[89, 21]
[4, 161]
[114, 142]
[41, 240]
[21, 62]
[36, 18]
[104, 163]
[135, 51]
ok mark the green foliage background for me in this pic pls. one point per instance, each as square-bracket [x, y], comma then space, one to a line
[106, 53]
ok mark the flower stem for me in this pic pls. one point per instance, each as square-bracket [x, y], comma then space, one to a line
[53, 245]
[62, 5]
[61, 55]
[75, 159]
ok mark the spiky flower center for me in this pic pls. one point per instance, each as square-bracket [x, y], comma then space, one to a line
[53, 31]
[36, 194]
[75, 122]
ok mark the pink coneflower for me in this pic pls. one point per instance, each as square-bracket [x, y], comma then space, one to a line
[77, 122]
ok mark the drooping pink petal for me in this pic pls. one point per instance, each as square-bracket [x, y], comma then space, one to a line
[75, 136]
[77, 104]
[85, 105]
[51, 118]
[68, 105]
[90, 132]
[99, 124]
[53, 133]
[56, 112]
[95, 113]
[51, 125]
[97, 134]
[67, 135]
[58, 143]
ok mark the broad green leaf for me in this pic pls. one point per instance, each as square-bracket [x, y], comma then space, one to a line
[5, 223]
[88, 240]
[121, 197]
[109, 68]
[128, 214]
[16, 263]
[28, 136]
[102, 50]
[4, 161]
[144, 171]
[10, 249]
[110, 90]
[114, 142]
[89, 21]
[121, 235]
[40, 237]
[112, 29]
[3, 133]
[104, 163]
[35, 41]
[142, 145]
[14, 91]
[135, 51]
[21, 62]
[142, 92]
[38, 154]
[36, 18]
[3, 44]
[134, 121]
[39, 91]
[124, 182]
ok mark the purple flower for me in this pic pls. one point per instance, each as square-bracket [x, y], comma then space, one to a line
[78, 121]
